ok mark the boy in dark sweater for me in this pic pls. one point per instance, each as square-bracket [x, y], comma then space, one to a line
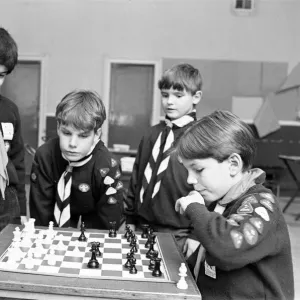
[12, 196]
[157, 179]
[245, 250]
[74, 178]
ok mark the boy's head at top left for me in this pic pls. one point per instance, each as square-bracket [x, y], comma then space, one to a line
[180, 89]
[217, 151]
[8, 54]
[80, 116]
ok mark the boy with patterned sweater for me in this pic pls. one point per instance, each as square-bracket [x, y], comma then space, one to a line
[157, 179]
[74, 178]
[245, 250]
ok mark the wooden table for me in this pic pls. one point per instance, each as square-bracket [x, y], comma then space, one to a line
[32, 286]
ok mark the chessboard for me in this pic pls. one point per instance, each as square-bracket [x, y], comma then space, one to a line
[70, 257]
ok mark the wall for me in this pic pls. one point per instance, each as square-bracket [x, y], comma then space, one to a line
[76, 36]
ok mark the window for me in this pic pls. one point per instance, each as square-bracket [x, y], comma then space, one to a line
[243, 7]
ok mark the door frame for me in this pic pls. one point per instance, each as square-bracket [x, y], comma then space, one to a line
[156, 106]
[43, 61]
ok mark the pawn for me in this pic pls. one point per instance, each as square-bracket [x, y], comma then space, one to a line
[128, 262]
[145, 228]
[112, 230]
[152, 260]
[17, 235]
[51, 258]
[29, 264]
[132, 268]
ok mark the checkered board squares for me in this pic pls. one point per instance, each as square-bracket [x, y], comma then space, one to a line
[74, 264]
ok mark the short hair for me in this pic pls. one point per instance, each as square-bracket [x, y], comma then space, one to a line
[82, 109]
[181, 77]
[8, 50]
[217, 136]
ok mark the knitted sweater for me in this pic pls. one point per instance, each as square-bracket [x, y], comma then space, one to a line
[248, 249]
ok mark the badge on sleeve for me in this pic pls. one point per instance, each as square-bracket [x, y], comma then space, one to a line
[268, 196]
[84, 187]
[119, 185]
[245, 208]
[250, 234]
[112, 200]
[108, 180]
[266, 203]
[110, 191]
[210, 270]
[113, 162]
[251, 199]
[263, 213]
[118, 174]
[237, 238]
[104, 171]
[33, 177]
[232, 222]
[258, 224]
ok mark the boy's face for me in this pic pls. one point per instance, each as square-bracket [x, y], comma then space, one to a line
[211, 178]
[76, 144]
[3, 73]
[176, 103]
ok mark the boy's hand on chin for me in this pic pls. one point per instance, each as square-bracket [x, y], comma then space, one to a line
[183, 202]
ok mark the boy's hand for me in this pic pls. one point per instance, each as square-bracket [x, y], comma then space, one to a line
[190, 247]
[183, 202]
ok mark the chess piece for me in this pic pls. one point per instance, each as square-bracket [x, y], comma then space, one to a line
[112, 230]
[93, 262]
[145, 228]
[38, 249]
[151, 247]
[76, 248]
[51, 258]
[29, 263]
[96, 245]
[157, 272]
[150, 236]
[152, 260]
[17, 235]
[82, 237]
[128, 262]
[60, 245]
[182, 284]
[132, 268]
[128, 231]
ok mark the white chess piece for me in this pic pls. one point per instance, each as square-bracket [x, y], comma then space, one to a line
[31, 225]
[51, 258]
[38, 250]
[182, 284]
[60, 245]
[76, 248]
[17, 235]
[29, 264]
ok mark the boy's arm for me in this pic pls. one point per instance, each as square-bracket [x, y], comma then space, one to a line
[130, 199]
[242, 238]
[42, 191]
[110, 204]
[16, 154]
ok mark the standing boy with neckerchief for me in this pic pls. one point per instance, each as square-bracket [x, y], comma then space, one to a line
[158, 179]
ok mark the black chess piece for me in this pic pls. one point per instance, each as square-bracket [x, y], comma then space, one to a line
[132, 268]
[152, 260]
[133, 241]
[150, 235]
[134, 248]
[157, 272]
[127, 231]
[97, 246]
[93, 262]
[128, 262]
[151, 247]
[112, 230]
[82, 237]
[145, 228]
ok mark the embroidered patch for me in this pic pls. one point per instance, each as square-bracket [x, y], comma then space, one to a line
[250, 234]
[119, 185]
[33, 177]
[232, 222]
[245, 208]
[263, 213]
[251, 199]
[112, 200]
[110, 191]
[84, 187]
[268, 196]
[104, 171]
[236, 217]
[266, 203]
[118, 174]
[108, 180]
[113, 162]
[258, 224]
[237, 238]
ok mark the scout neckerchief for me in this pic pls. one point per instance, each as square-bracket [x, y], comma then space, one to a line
[160, 157]
[251, 178]
[3, 163]
[62, 211]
